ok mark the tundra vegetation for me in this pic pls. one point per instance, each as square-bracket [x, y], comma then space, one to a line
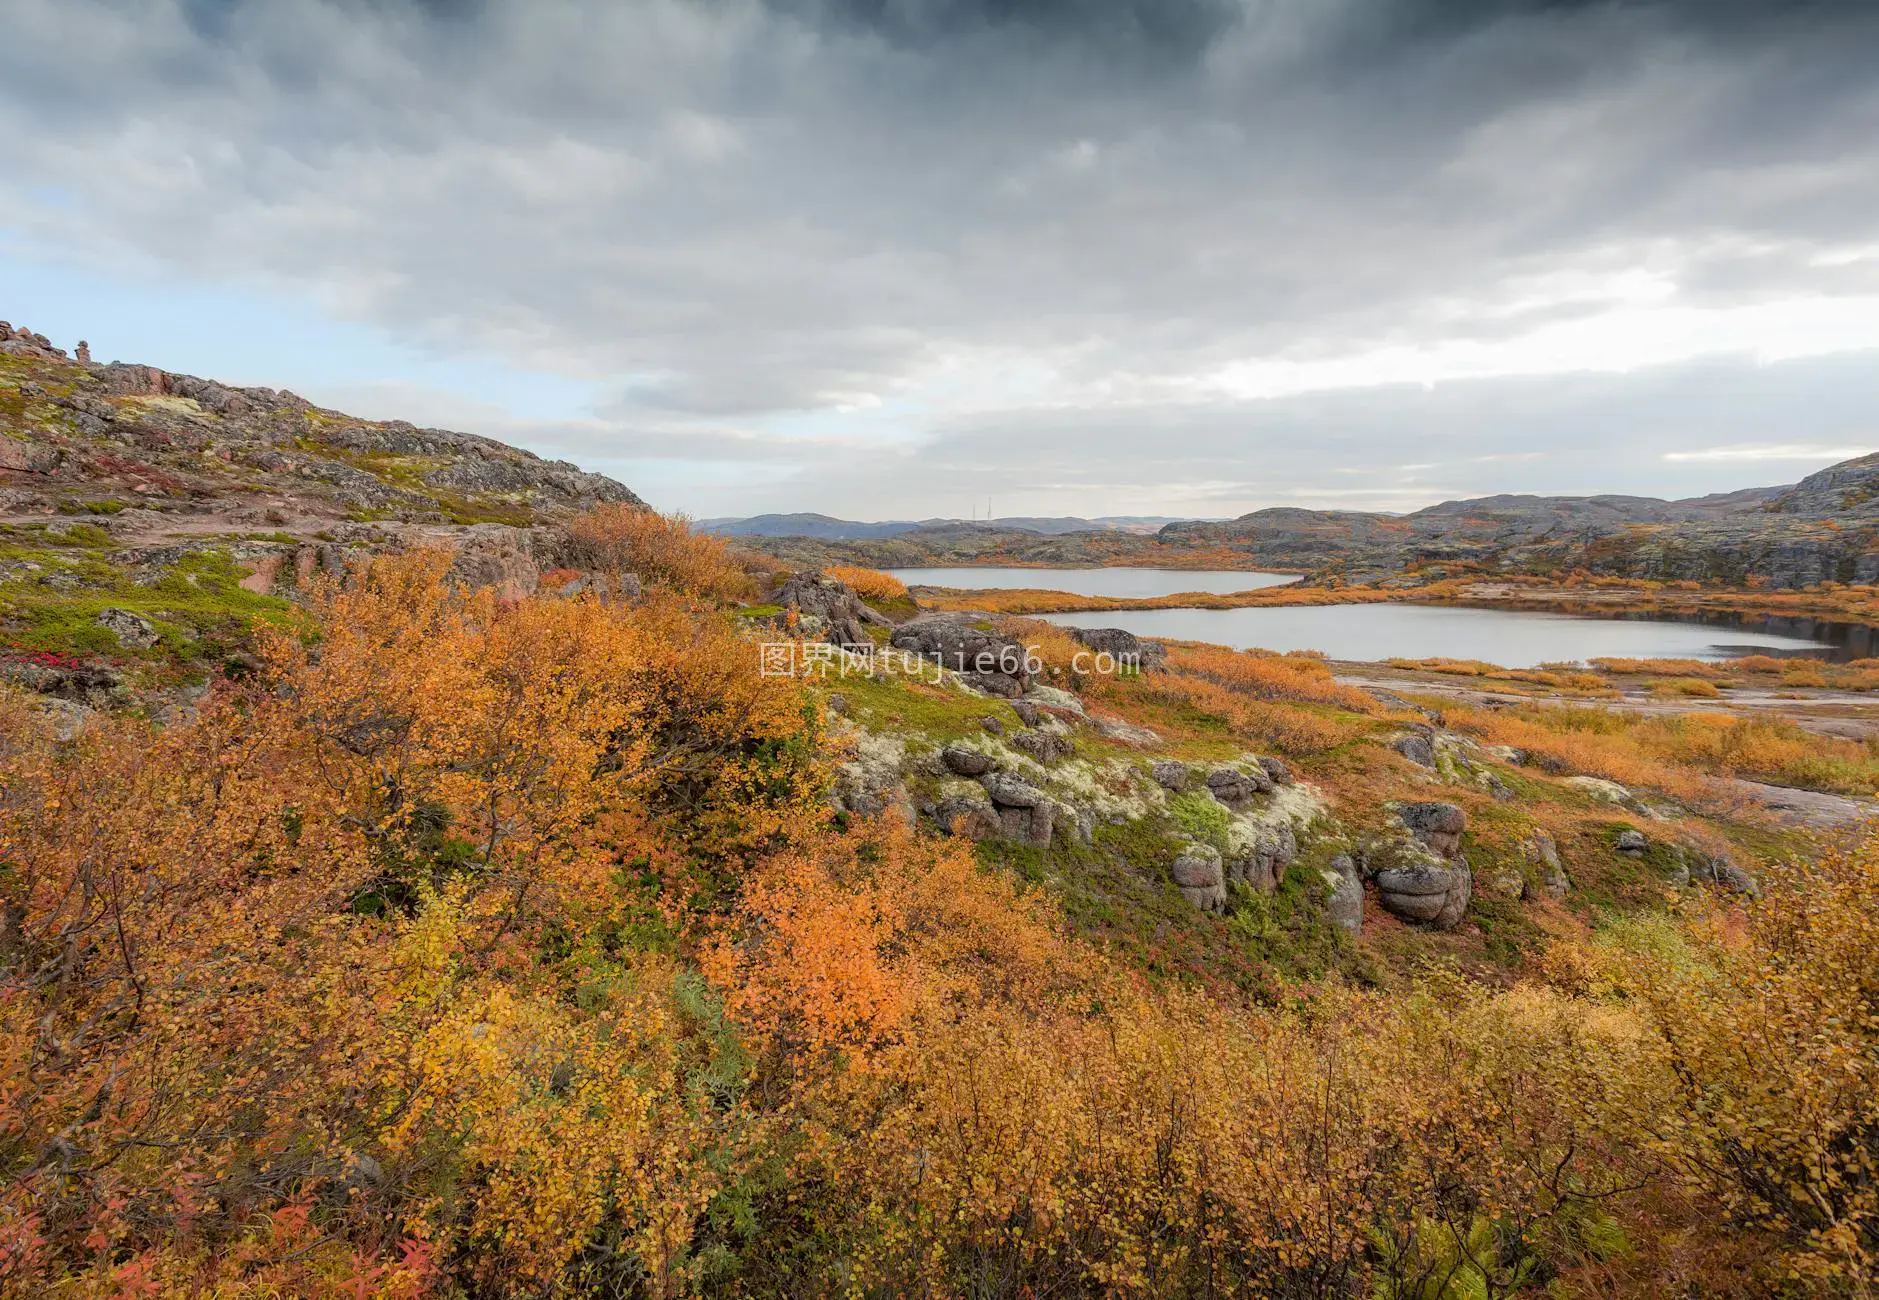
[470, 942]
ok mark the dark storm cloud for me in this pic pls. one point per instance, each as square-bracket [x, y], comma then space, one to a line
[904, 216]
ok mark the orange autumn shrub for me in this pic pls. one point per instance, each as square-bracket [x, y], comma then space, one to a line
[1290, 728]
[1690, 688]
[502, 949]
[328, 922]
[1766, 1020]
[1301, 677]
[1573, 740]
[660, 550]
[869, 584]
[1769, 749]
[1055, 647]
[1665, 667]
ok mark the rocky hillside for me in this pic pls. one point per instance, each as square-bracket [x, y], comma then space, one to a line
[190, 454]
[149, 516]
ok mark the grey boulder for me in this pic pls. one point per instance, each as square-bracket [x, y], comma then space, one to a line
[987, 659]
[964, 761]
[1197, 873]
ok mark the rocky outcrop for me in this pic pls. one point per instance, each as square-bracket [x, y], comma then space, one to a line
[1198, 874]
[1720, 870]
[189, 445]
[22, 342]
[1345, 894]
[984, 658]
[133, 631]
[827, 608]
[1046, 746]
[1025, 813]
[1545, 875]
[1171, 774]
[1125, 649]
[512, 560]
[1237, 788]
[961, 760]
[1264, 855]
[1421, 875]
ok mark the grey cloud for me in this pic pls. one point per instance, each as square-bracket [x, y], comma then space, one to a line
[1563, 434]
[1177, 30]
[740, 210]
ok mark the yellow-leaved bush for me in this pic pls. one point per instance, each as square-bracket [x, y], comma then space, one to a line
[492, 948]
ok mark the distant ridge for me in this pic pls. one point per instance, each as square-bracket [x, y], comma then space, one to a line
[1823, 529]
[828, 528]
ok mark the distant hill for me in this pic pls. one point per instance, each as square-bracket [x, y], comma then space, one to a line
[825, 527]
[828, 528]
[1823, 529]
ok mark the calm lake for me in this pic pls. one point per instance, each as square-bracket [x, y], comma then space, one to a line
[1510, 638]
[1132, 584]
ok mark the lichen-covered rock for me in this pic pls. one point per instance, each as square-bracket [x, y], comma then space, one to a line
[1171, 774]
[984, 658]
[1433, 895]
[1197, 873]
[1032, 826]
[1631, 842]
[133, 631]
[1044, 746]
[1008, 791]
[1262, 863]
[969, 816]
[842, 612]
[1345, 902]
[1056, 700]
[966, 761]
[1076, 822]
[871, 780]
[1722, 871]
[1542, 854]
[1417, 748]
[511, 560]
[1237, 788]
[1421, 875]
[1438, 825]
[1125, 649]
[1126, 732]
[1277, 771]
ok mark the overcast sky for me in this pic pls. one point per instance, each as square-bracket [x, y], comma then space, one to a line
[886, 258]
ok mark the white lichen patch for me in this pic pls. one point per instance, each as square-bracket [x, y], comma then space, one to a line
[167, 402]
[875, 759]
[1601, 789]
[1296, 806]
[1114, 789]
[1051, 697]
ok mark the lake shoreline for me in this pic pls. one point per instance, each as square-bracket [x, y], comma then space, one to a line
[1595, 601]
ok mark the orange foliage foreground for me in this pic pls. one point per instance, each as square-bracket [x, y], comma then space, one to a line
[869, 584]
[472, 949]
[658, 549]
